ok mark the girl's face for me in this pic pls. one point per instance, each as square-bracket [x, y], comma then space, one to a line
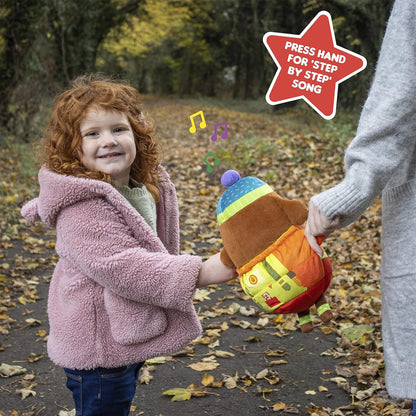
[108, 144]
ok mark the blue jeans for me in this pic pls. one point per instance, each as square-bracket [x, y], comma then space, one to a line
[103, 391]
[413, 412]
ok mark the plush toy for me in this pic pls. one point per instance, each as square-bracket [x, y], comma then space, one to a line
[263, 241]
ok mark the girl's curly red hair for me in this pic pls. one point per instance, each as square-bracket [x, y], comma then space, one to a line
[63, 150]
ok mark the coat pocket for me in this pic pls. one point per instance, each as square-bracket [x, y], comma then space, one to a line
[132, 322]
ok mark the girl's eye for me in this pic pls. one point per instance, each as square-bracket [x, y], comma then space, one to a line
[120, 129]
[91, 133]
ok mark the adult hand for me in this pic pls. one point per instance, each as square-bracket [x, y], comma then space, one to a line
[317, 225]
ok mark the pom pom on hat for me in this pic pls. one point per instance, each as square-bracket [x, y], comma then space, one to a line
[230, 177]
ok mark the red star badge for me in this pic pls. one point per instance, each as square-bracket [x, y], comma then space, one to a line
[310, 66]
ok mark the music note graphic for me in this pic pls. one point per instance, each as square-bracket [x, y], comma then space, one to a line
[223, 135]
[202, 124]
[216, 161]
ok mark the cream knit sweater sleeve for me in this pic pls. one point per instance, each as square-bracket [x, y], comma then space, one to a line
[382, 153]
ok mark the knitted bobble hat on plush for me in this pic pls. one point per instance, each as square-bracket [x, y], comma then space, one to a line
[240, 192]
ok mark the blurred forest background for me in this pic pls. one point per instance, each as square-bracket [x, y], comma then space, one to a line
[184, 48]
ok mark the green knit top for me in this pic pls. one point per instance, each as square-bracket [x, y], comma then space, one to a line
[141, 199]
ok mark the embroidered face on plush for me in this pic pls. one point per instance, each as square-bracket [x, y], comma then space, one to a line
[264, 241]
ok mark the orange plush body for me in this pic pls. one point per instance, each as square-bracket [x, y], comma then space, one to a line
[263, 241]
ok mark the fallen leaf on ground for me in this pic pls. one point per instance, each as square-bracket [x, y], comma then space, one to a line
[26, 392]
[279, 406]
[145, 376]
[204, 366]
[179, 394]
[223, 354]
[356, 332]
[7, 370]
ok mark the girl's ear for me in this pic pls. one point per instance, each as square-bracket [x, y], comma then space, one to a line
[142, 120]
[296, 211]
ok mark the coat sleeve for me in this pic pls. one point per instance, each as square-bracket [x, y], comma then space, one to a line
[30, 210]
[95, 241]
[385, 139]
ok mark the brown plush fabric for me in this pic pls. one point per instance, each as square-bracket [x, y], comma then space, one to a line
[259, 224]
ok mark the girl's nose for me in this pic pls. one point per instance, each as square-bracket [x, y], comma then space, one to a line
[108, 139]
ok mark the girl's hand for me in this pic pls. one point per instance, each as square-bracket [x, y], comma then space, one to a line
[317, 225]
[213, 271]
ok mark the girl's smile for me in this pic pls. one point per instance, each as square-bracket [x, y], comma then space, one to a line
[110, 155]
[108, 144]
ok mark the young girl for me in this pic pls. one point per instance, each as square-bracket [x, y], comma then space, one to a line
[120, 292]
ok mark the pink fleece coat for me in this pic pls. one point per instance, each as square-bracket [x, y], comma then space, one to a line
[119, 294]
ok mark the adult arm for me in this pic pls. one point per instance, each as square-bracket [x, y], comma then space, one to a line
[385, 138]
